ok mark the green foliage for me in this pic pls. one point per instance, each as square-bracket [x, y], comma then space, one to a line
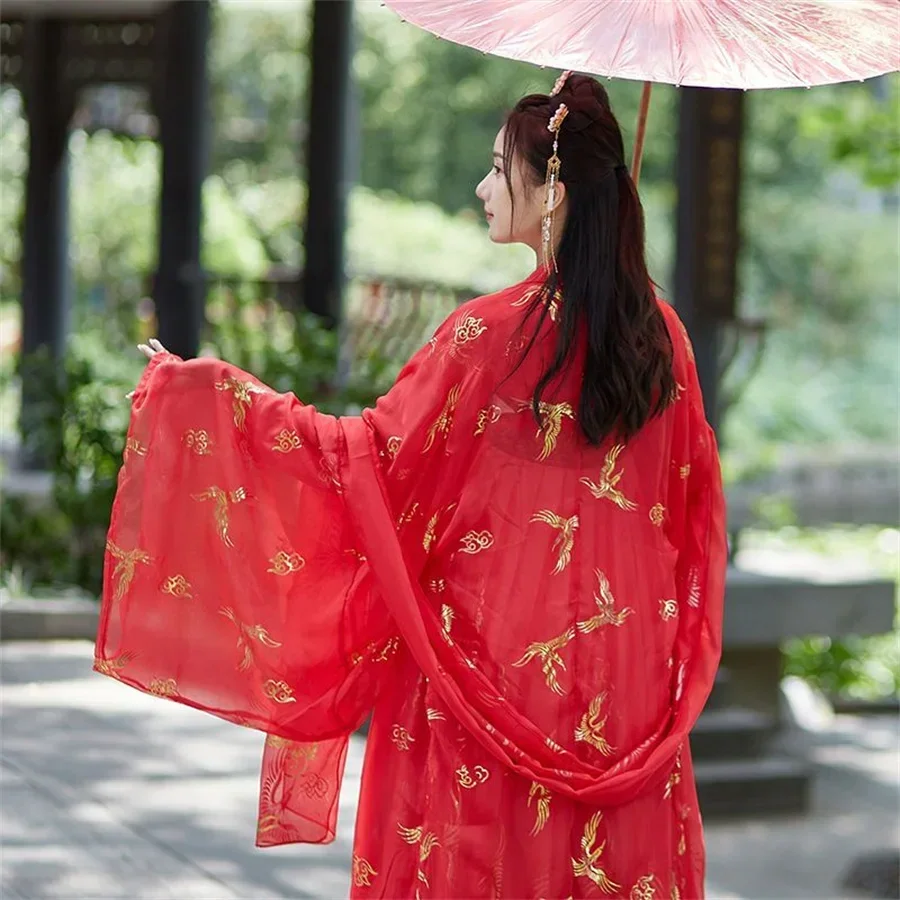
[406, 75]
[856, 667]
[860, 129]
[84, 419]
[81, 424]
[864, 668]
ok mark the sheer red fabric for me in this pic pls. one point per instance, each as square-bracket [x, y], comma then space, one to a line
[535, 622]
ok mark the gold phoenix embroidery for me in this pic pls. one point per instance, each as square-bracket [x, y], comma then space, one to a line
[386, 652]
[675, 894]
[222, 499]
[435, 715]
[389, 649]
[438, 585]
[606, 603]
[674, 776]
[643, 888]
[401, 737]
[657, 514]
[362, 872]
[444, 421]
[426, 842]
[246, 635]
[677, 391]
[668, 609]
[548, 653]
[177, 586]
[588, 866]
[683, 813]
[284, 563]
[487, 416]
[133, 445]
[409, 515]
[428, 537]
[542, 805]
[111, 667]
[329, 474]
[124, 567]
[198, 441]
[431, 528]
[476, 541]
[592, 724]
[467, 781]
[607, 485]
[446, 617]
[565, 540]
[552, 415]
[685, 471]
[279, 691]
[163, 687]
[296, 751]
[287, 440]
[243, 392]
[554, 301]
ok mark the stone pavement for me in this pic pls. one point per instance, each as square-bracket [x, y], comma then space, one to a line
[107, 793]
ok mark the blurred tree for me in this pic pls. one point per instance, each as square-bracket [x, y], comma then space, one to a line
[431, 110]
[861, 128]
[258, 77]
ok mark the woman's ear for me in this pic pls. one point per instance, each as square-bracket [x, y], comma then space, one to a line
[559, 196]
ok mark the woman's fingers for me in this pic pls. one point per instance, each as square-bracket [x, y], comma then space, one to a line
[151, 348]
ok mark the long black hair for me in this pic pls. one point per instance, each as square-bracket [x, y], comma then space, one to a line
[603, 279]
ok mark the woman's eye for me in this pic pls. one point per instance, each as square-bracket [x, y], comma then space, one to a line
[495, 170]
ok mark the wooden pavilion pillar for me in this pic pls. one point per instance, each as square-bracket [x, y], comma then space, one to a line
[707, 224]
[45, 263]
[328, 152]
[182, 104]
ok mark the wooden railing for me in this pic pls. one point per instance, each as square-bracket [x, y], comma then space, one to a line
[390, 316]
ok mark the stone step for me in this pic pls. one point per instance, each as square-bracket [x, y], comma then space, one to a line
[718, 698]
[730, 733]
[770, 785]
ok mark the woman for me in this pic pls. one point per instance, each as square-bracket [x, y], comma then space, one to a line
[516, 560]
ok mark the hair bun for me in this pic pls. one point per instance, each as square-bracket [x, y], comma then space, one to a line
[586, 99]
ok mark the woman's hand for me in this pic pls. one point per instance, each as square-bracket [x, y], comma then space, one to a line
[150, 349]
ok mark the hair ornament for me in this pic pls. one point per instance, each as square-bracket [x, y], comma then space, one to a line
[560, 82]
[557, 118]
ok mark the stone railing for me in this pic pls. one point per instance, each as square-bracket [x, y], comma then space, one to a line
[856, 487]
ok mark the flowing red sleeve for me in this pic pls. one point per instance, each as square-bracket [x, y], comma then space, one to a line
[234, 580]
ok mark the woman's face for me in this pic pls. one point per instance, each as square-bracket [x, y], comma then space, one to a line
[511, 222]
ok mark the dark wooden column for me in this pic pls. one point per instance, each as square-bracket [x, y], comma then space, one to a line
[45, 264]
[707, 240]
[328, 151]
[182, 101]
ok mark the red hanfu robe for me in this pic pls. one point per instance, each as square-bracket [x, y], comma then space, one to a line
[535, 622]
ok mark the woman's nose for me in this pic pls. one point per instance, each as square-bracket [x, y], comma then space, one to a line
[480, 190]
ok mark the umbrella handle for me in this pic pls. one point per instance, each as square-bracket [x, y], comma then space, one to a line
[641, 132]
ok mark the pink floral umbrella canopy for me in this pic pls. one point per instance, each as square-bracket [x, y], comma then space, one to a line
[699, 43]
[695, 43]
